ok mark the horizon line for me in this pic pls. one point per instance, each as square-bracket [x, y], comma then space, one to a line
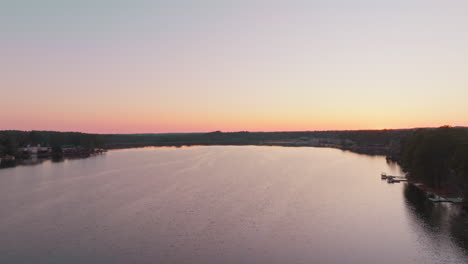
[234, 131]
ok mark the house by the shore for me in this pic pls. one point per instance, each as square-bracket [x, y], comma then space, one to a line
[70, 150]
[35, 150]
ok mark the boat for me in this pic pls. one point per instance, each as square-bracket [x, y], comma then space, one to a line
[448, 200]
[394, 179]
[455, 200]
[391, 179]
[438, 199]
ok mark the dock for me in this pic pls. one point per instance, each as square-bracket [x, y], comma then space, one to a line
[396, 180]
[391, 178]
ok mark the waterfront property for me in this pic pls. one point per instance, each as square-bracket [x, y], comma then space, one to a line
[35, 150]
[79, 151]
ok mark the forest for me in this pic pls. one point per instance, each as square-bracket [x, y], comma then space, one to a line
[438, 158]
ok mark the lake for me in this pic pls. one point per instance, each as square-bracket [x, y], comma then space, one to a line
[222, 204]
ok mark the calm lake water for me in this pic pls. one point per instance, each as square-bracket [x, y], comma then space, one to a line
[222, 204]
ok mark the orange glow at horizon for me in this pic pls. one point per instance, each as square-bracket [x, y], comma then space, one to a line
[184, 122]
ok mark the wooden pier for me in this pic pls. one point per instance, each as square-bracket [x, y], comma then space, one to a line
[392, 179]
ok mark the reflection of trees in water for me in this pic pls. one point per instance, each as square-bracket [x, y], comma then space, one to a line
[394, 167]
[34, 161]
[7, 163]
[56, 159]
[27, 162]
[437, 219]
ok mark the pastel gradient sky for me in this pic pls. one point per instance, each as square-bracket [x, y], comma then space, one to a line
[110, 66]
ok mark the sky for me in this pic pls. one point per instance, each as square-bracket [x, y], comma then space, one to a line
[110, 66]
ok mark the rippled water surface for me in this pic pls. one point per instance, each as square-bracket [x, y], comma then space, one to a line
[222, 205]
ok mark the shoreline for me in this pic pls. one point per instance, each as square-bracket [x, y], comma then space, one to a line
[12, 161]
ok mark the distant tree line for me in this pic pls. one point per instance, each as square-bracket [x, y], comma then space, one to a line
[345, 139]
